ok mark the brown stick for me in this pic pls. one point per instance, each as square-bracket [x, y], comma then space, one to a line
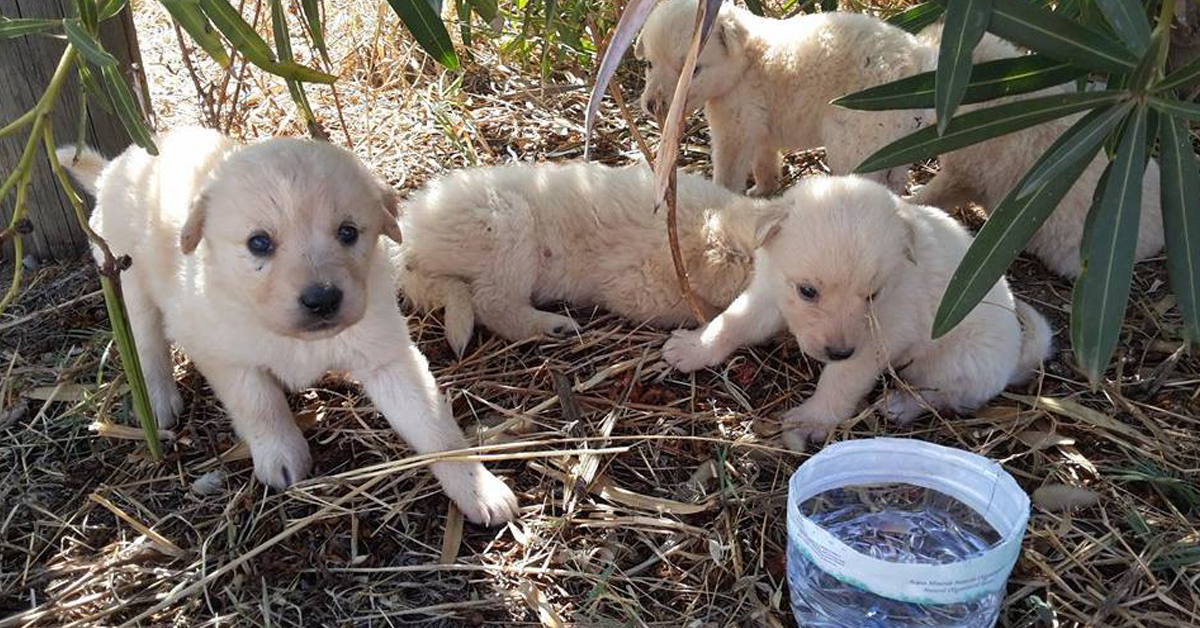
[681, 272]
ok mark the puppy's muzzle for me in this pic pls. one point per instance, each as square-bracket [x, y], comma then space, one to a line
[321, 301]
[838, 353]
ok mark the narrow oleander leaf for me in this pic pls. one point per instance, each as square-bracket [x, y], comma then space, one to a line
[312, 16]
[427, 28]
[984, 124]
[92, 88]
[192, 20]
[283, 43]
[1185, 76]
[632, 18]
[127, 108]
[755, 6]
[89, 14]
[86, 44]
[1180, 180]
[1102, 290]
[111, 9]
[1084, 138]
[989, 81]
[1005, 234]
[487, 9]
[10, 28]
[1128, 19]
[1054, 35]
[240, 34]
[1175, 107]
[966, 21]
[916, 18]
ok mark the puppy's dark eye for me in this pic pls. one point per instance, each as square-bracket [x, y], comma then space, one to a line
[347, 234]
[807, 292]
[260, 244]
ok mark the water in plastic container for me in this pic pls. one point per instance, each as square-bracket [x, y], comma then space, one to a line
[890, 533]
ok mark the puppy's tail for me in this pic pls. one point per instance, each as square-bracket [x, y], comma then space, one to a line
[453, 295]
[84, 163]
[1036, 338]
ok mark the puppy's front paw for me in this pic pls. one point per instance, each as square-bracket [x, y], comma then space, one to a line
[281, 460]
[807, 423]
[556, 325]
[902, 407]
[482, 497]
[167, 404]
[687, 351]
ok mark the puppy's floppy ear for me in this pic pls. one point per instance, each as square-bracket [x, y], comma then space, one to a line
[730, 33]
[391, 210]
[193, 227]
[768, 225]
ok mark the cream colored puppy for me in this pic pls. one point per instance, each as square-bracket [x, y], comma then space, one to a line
[766, 84]
[492, 243]
[856, 274]
[264, 264]
[984, 173]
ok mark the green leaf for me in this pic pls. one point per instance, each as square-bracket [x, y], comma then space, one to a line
[283, 43]
[1128, 19]
[989, 81]
[1083, 139]
[1005, 234]
[87, 45]
[966, 21]
[1181, 219]
[427, 28]
[192, 19]
[10, 28]
[127, 108]
[916, 18]
[487, 9]
[1053, 35]
[92, 88]
[1175, 107]
[89, 14]
[111, 9]
[1185, 76]
[244, 38]
[1102, 289]
[755, 7]
[312, 16]
[984, 124]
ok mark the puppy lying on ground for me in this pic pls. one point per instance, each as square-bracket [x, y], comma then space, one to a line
[856, 274]
[986, 172]
[264, 264]
[766, 84]
[493, 242]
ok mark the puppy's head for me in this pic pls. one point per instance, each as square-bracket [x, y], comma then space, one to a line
[290, 228]
[833, 250]
[663, 45]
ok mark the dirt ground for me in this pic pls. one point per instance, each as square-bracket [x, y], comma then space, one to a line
[649, 498]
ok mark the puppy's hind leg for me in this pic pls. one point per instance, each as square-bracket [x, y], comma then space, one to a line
[501, 297]
[407, 395]
[768, 170]
[154, 353]
[261, 417]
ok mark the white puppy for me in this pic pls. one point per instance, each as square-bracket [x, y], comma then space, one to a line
[264, 264]
[492, 242]
[984, 173]
[766, 84]
[856, 274]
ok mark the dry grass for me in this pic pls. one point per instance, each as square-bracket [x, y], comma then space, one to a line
[649, 498]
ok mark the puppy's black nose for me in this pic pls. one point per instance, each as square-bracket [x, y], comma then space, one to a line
[322, 299]
[839, 353]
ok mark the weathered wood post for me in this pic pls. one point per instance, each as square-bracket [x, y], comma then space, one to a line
[26, 65]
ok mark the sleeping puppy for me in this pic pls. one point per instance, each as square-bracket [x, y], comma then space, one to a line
[493, 243]
[264, 264]
[856, 275]
[766, 85]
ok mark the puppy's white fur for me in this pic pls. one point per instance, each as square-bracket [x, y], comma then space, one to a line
[984, 173]
[491, 243]
[185, 217]
[766, 84]
[856, 274]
